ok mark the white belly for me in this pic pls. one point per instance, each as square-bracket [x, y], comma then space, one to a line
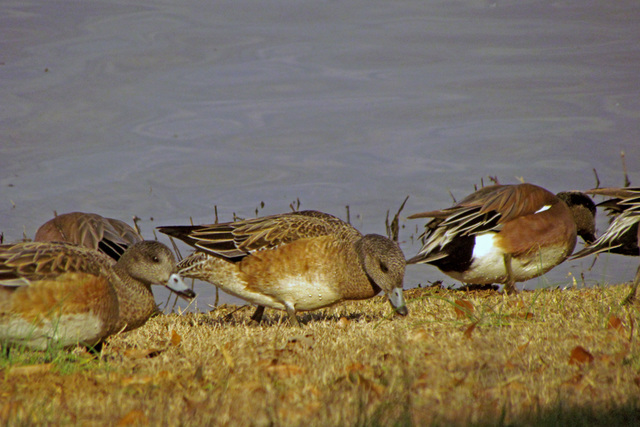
[301, 293]
[66, 331]
[307, 292]
[488, 263]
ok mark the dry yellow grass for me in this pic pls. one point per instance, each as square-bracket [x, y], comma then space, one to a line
[539, 358]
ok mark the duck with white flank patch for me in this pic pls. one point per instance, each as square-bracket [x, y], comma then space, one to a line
[505, 234]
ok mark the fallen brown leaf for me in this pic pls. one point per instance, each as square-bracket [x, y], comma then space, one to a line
[342, 323]
[615, 323]
[175, 338]
[463, 308]
[469, 331]
[580, 356]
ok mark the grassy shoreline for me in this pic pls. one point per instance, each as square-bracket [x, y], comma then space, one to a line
[544, 357]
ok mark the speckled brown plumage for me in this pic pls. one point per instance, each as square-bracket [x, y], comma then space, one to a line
[108, 235]
[65, 285]
[295, 261]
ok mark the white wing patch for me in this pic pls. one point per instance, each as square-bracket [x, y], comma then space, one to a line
[485, 246]
[542, 209]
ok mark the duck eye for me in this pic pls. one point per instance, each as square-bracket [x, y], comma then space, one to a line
[155, 258]
[383, 267]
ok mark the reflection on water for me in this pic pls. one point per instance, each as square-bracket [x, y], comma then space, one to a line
[167, 110]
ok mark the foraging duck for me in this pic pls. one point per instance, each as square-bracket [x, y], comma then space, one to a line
[107, 235]
[623, 235]
[73, 295]
[505, 234]
[296, 261]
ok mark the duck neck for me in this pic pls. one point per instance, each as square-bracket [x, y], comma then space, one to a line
[361, 285]
[135, 300]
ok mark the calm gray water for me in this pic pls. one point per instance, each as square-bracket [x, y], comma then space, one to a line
[165, 109]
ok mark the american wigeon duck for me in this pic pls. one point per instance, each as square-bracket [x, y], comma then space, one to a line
[296, 261]
[623, 235]
[107, 235]
[73, 295]
[505, 234]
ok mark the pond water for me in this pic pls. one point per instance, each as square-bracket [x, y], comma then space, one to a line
[167, 109]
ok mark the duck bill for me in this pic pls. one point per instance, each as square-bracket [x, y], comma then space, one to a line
[588, 237]
[177, 285]
[396, 298]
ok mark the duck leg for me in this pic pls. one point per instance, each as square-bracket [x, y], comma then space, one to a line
[291, 311]
[632, 295]
[257, 315]
[510, 285]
